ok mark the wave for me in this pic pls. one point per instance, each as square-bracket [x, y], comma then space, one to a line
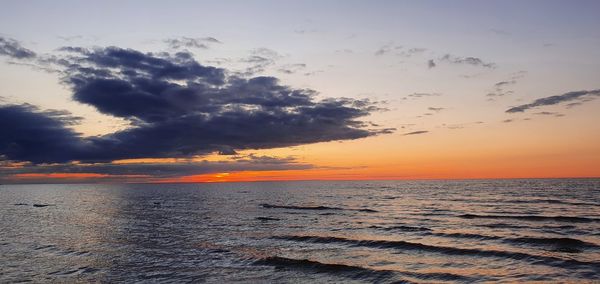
[401, 228]
[502, 226]
[553, 201]
[355, 272]
[558, 244]
[265, 205]
[267, 219]
[80, 270]
[536, 218]
[466, 236]
[404, 245]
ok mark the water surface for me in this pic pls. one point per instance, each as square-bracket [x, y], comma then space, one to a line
[389, 231]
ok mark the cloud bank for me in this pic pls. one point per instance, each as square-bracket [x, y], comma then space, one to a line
[177, 108]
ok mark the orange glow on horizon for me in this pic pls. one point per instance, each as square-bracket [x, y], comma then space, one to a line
[300, 175]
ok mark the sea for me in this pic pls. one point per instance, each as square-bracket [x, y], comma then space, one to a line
[442, 231]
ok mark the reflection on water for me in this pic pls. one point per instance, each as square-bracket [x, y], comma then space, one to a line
[429, 231]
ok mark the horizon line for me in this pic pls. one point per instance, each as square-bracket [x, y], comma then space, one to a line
[306, 180]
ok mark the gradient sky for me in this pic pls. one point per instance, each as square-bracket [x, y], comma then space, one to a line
[444, 89]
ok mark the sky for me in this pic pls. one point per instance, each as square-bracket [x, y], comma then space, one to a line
[212, 91]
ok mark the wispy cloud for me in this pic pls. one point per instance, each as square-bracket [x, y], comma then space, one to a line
[259, 60]
[578, 96]
[474, 61]
[399, 50]
[436, 109]
[549, 113]
[460, 125]
[416, 132]
[291, 68]
[12, 48]
[421, 95]
[500, 32]
[189, 42]
[500, 88]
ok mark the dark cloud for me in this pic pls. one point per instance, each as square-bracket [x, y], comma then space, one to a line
[415, 132]
[505, 83]
[12, 48]
[177, 108]
[28, 134]
[157, 170]
[431, 64]
[436, 109]
[467, 60]
[553, 100]
[189, 42]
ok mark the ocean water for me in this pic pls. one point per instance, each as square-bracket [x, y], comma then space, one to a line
[303, 232]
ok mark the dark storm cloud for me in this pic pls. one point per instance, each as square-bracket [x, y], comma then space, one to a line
[177, 108]
[553, 100]
[12, 48]
[415, 132]
[189, 42]
[468, 61]
[28, 134]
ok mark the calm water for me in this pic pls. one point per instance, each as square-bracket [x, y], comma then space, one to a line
[434, 231]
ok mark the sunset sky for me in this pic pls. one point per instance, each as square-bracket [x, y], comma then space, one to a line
[193, 91]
